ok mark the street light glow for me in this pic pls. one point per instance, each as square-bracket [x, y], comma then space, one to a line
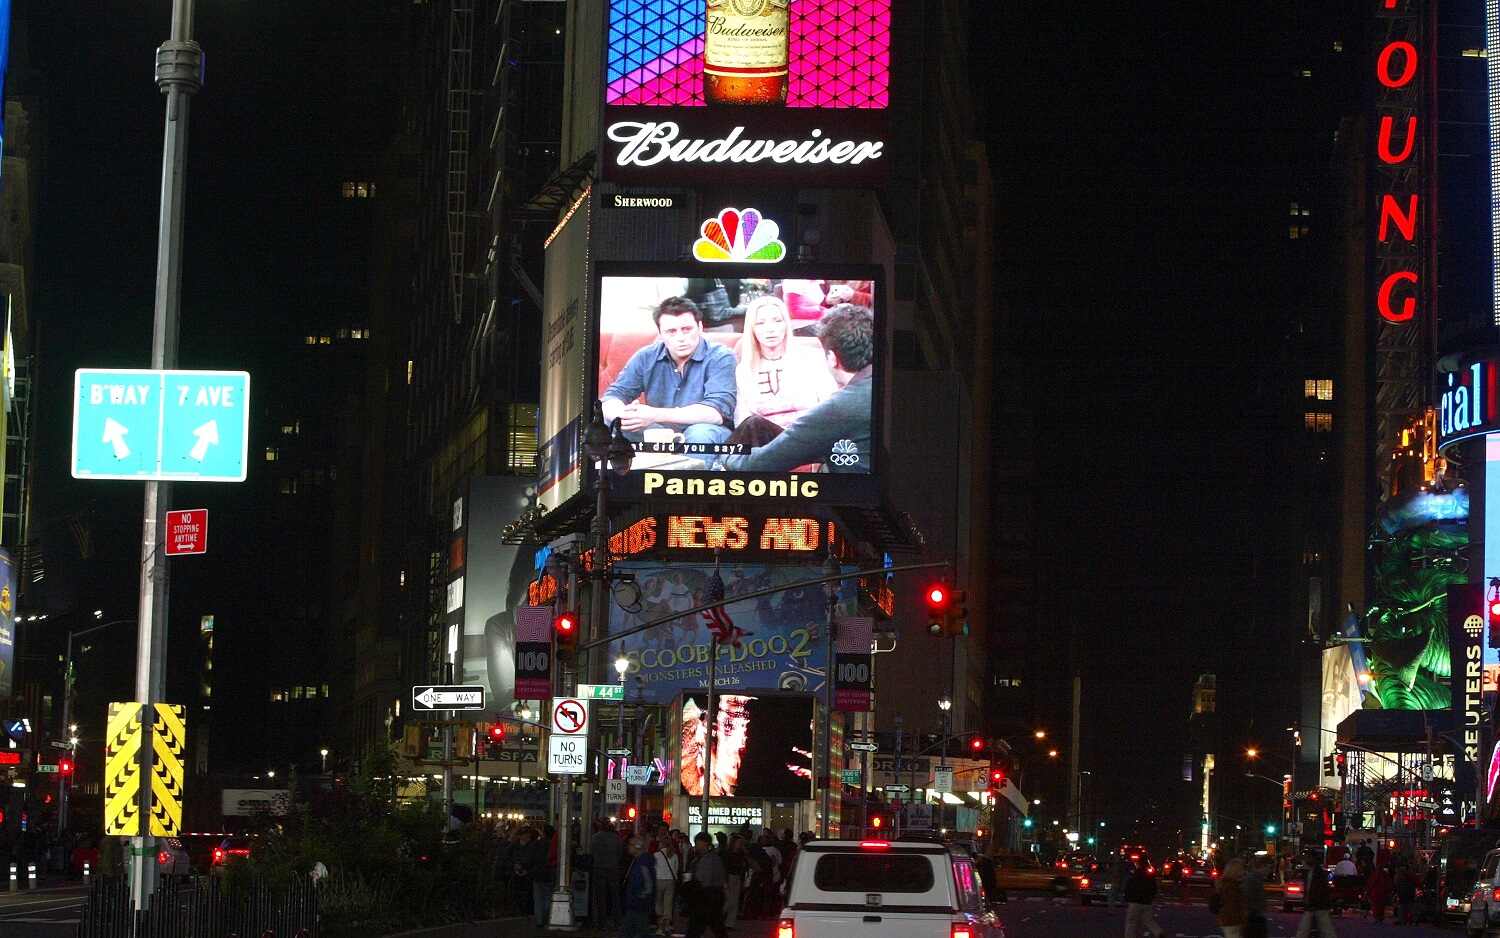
[622, 664]
[1252, 752]
[1040, 734]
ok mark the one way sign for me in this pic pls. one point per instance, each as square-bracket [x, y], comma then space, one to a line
[439, 697]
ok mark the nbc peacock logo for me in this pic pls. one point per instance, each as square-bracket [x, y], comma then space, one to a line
[739, 236]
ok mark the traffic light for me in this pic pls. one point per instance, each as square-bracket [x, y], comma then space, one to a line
[997, 779]
[1492, 610]
[1270, 830]
[630, 812]
[565, 630]
[494, 738]
[1026, 823]
[1341, 762]
[1328, 767]
[956, 621]
[65, 766]
[977, 744]
[937, 598]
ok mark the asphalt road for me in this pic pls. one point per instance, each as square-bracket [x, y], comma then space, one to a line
[1043, 917]
[44, 913]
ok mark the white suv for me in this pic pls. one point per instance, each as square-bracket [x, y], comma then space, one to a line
[1484, 905]
[885, 889]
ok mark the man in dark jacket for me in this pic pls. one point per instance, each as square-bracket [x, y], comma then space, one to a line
[1140, 892]
[542, 874]
[1318, 898]
[705, 897]
[640, 891]
[604, 887]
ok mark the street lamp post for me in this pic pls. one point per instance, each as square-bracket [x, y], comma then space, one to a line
[831, 595]
[324, 754]
[63, 784]
[605, 446]
[945, 704]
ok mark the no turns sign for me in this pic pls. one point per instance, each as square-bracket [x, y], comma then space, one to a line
[570, 716]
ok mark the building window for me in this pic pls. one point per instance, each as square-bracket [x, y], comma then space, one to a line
[288, 429]
[297, 692]
[326, 694]
[341, 334]
[325, 340]
[271, 454]
[289, 486]
[1318, 389]
[310, 340]
[408, 370]
[1307, 73]
[312, 692]
[1338, 45]
[1318, 423]
[278, 695]
[1475, 54]
[357, 190]
[1299, 210]
[1297, 231]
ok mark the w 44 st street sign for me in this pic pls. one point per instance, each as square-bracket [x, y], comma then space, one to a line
[164, 426]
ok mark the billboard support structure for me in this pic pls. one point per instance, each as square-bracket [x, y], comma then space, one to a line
[179, 75]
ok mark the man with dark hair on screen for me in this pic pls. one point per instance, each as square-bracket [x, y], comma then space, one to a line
[836, 432]
[688, 382]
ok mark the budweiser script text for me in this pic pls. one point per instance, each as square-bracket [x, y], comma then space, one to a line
[647, 143]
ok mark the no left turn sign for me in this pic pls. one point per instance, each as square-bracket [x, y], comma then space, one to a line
[570, 716]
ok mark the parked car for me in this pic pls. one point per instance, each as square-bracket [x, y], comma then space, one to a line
[886, 889]
[1019, 872]
[1102, 881]
[172, 858]
[229, 850]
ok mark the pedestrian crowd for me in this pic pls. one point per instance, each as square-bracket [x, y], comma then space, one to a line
[657, 882]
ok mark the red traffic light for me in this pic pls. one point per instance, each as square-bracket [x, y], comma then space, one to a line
[630, 813]
[565, 625]
[1495, 609]
[937, 597]
[65, 766]
[997, 778]
[497, 733]
[976, 744]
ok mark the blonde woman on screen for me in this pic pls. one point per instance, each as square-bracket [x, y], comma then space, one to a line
[777, 378]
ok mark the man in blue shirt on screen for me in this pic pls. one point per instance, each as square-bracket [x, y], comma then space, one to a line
[688, 382]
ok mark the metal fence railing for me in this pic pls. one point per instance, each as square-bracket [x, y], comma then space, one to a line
[203, 907]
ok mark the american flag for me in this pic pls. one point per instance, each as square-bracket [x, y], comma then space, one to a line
[722, 626]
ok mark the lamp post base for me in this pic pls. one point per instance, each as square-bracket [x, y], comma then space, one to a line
[560, 918]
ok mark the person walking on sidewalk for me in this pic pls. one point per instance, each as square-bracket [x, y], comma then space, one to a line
[1233, 909]
[668, 873]
[1256, 925]
[1317, 895]
[1140, 892]
[640, 890]
[705, 890]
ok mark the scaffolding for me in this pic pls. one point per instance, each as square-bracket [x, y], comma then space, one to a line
[460, 67]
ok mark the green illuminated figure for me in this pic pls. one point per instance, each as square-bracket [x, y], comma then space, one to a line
[1408, 624]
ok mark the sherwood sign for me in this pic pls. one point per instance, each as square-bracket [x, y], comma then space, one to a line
[674, 146]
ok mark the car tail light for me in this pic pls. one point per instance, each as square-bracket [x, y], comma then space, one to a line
[875, 845]
[1495, 896]
[1293, 887]
[962, 930]
[1084, 882]
[163, 858]
[785, 929]
[1213, 874]
[218, 854]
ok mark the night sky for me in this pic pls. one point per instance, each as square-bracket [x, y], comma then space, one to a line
[1138, 163]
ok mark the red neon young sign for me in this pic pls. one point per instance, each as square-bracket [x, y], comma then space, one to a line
[1398, 72]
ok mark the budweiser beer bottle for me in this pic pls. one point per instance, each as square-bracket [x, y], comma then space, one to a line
[745, 50]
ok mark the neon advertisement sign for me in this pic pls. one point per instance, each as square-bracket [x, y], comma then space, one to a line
[1399, 163]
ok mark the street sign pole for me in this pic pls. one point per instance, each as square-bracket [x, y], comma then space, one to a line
[179, 69]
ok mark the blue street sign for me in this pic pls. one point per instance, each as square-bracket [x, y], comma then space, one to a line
[189, 426]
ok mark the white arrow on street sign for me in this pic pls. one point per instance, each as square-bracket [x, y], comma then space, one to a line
[570, 717]
[438, 697]
[208, 435]
[864, 747]
[114, 435]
